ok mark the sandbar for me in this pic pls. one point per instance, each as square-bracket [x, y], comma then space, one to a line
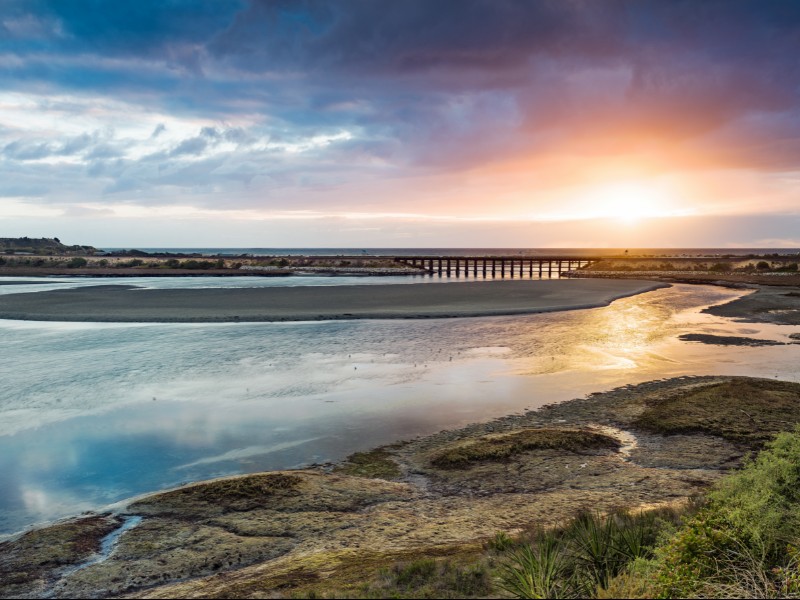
[778, 305]
[125, 303]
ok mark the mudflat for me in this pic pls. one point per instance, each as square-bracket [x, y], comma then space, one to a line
[779, 305]
[125, 303]
[281, 533]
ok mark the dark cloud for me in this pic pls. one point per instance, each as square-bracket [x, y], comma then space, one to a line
[668, 71]
[77, 144]
[193, 146]
[90, 144]
[104, 151]
[20, 150]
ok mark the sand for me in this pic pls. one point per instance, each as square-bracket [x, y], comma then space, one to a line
[124, 303]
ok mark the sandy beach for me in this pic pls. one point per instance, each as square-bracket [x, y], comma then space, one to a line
[121, 303]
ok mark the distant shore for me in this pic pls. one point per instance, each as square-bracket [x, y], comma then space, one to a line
[121, 303]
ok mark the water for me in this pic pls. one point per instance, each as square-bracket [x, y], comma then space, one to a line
[466, 251]
[107, 546]
[93, 413]
[18, 285]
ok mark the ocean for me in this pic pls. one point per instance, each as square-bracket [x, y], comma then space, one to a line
[465, 251]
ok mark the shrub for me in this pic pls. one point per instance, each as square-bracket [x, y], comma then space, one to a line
[540, 569]
[501, 542]
[584, 558]
[197, 264]
[790, 268]
[741, 542]
[76, 262]
[134, 262]
[762, 265]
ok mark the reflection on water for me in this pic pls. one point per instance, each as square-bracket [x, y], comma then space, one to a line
[21, 285]
[95, 413]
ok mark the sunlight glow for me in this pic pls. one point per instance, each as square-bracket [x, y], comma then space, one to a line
[630, 202]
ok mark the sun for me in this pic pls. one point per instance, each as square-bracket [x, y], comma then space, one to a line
[629, 202]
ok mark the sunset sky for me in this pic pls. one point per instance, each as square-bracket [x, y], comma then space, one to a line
[450, 123]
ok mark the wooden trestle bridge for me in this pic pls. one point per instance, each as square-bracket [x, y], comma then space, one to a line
[497, 266]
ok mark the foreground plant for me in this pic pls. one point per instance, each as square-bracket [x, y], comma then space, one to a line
[743, 541]
[540, 569]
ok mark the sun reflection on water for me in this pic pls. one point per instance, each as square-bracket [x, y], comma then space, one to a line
[81, 428]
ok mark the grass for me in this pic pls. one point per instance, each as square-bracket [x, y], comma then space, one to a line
[539, 570]
[245, 487]
[376, 464]
[238, 493]
[448, 571]
[421, 578]
[583, 557]
[746, 411]
[499, 448]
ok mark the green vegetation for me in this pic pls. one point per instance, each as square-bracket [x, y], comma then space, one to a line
[198, 264]
[76, 263]
[727, 264]
[376, 464]
[428, 578]
[460, 576]
[743, 411]
[591, 556]
[584, 557]
[134, 262]
[790, 268]
[497, 448]
[742, 541]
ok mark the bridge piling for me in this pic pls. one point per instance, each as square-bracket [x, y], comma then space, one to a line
[516, 265]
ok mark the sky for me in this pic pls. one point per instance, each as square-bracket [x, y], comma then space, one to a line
[403, 123]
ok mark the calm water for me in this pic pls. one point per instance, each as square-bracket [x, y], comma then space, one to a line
[18, 285]
[95, 413]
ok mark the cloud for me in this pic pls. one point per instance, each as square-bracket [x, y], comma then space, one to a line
[19, 150]
[307, 104]
[86, 211]
[194, 146]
